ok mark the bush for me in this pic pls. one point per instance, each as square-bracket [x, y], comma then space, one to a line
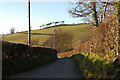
[16, 64]
[94, 66]
[63, 41]
[19, 57]
[15, 49]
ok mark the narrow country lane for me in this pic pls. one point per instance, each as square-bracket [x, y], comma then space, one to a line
[62, 68]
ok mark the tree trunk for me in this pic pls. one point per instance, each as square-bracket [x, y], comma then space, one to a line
[95, 14]
[104, 14]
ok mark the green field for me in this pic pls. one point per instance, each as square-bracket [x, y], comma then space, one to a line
[0, 36]
[81, 33]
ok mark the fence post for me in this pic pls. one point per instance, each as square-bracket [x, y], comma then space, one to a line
[54, 37]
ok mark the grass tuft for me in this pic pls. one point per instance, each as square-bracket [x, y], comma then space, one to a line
[94, 66]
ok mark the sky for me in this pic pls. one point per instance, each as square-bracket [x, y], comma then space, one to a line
[15, 14]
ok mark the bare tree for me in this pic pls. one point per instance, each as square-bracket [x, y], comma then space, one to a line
[43, 25]
[12, 30]
[48, 24]
[84, 9]
[62, 22]
[56, 22]
[93, 12]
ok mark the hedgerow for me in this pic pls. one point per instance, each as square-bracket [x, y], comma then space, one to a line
[95, 66]
[18, 58]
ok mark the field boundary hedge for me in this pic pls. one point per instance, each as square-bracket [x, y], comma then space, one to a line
[18, 58]
[13, 49]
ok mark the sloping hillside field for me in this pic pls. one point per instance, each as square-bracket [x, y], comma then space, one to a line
[81, 33]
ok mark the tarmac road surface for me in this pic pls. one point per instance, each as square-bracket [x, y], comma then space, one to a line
[61, 68]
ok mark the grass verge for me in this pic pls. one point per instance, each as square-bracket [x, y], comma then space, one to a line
[95, 66]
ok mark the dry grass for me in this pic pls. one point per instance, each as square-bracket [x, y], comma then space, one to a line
[81, 33]
[62, 39]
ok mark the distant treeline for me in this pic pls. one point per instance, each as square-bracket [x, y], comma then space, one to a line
[65, 25]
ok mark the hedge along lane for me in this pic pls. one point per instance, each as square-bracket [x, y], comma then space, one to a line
[19, 57]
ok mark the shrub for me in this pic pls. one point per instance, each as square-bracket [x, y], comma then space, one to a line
[19, 57]
[63, 41]
[13, 49]
[94, 66]
[17, 64]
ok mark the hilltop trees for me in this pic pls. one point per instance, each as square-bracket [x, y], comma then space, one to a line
[52, 24]
[58, 22]
[48, 24]
[62, 22]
